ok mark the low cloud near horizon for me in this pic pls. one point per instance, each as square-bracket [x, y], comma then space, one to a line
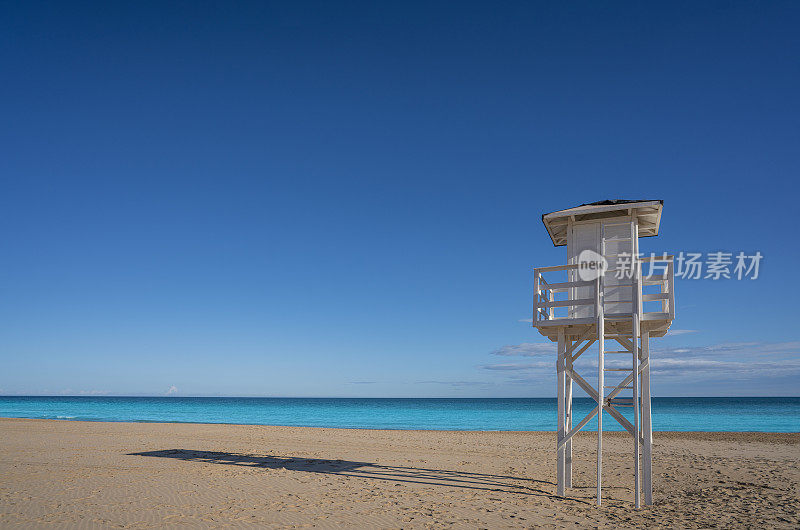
[674, 332]
[728, 360]
[526, 349]
[456, 383]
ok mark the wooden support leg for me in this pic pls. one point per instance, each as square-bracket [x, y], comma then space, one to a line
[647, 424]
[560, 451]
[568, 424]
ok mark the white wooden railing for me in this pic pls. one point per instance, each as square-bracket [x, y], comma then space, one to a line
[544, 293]
[665, 282]
[547, 303]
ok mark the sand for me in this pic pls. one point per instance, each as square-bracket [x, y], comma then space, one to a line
[144, 475]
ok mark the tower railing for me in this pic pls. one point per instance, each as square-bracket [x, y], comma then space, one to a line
[548, 301]
[665, 282]
[545, 304]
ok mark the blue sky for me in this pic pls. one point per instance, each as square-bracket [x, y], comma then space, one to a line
[344, 199]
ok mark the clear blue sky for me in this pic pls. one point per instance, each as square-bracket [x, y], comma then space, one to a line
[344, 198]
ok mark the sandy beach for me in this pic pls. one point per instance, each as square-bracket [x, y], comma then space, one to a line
[145, 475]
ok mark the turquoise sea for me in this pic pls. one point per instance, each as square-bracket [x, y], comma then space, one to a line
[535, 414]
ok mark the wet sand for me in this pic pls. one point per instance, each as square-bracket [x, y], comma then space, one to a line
[70, 473]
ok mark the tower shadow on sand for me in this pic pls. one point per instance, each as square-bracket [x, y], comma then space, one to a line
[366, 470]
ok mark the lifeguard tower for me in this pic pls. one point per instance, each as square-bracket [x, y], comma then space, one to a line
[606, 294]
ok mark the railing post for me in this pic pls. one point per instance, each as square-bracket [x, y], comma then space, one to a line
[535, 297]
[671, 288]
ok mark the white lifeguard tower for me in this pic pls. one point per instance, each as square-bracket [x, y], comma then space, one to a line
[606, 294]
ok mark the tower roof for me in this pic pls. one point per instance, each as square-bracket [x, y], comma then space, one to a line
[647, 211]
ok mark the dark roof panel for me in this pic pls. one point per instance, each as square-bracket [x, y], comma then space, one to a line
[649, 210]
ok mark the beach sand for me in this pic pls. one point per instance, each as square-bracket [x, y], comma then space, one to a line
[145, 474]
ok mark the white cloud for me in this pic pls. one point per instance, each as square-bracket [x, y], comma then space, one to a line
[744, 349]
[526, 349]
[722, 361]
[71, 392]
[171, 390]
[673, 332]
[505, 367]
[456, 383]
[696, 368]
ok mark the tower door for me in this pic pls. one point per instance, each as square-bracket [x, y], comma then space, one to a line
[585, 236]
[615, 241]
[618, 248]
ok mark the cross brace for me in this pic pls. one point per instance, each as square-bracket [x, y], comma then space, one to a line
[589, 389]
